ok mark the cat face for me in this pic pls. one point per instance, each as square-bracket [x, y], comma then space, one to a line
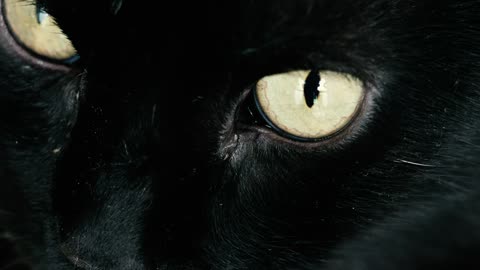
[158, 138]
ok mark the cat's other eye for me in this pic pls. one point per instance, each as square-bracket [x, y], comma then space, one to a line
[37, 30]
[309, 105]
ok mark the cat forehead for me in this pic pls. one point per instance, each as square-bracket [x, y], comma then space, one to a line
[254, 20]
[275, 12]
[270, 29]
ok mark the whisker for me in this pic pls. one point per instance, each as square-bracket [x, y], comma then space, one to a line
[414, 163]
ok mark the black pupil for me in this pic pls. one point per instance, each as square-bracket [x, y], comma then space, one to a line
[310, 87]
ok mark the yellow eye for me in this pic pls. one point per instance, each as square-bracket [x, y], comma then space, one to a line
[309, 105]
[34, 28]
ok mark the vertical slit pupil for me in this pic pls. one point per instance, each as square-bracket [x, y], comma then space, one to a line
[310, 88]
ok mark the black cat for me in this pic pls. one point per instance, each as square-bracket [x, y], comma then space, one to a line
[306, 134]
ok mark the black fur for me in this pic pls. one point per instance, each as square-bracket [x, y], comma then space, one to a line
[143, 155]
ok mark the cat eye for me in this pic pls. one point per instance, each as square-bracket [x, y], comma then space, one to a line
[37, 30]
[309, 105]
